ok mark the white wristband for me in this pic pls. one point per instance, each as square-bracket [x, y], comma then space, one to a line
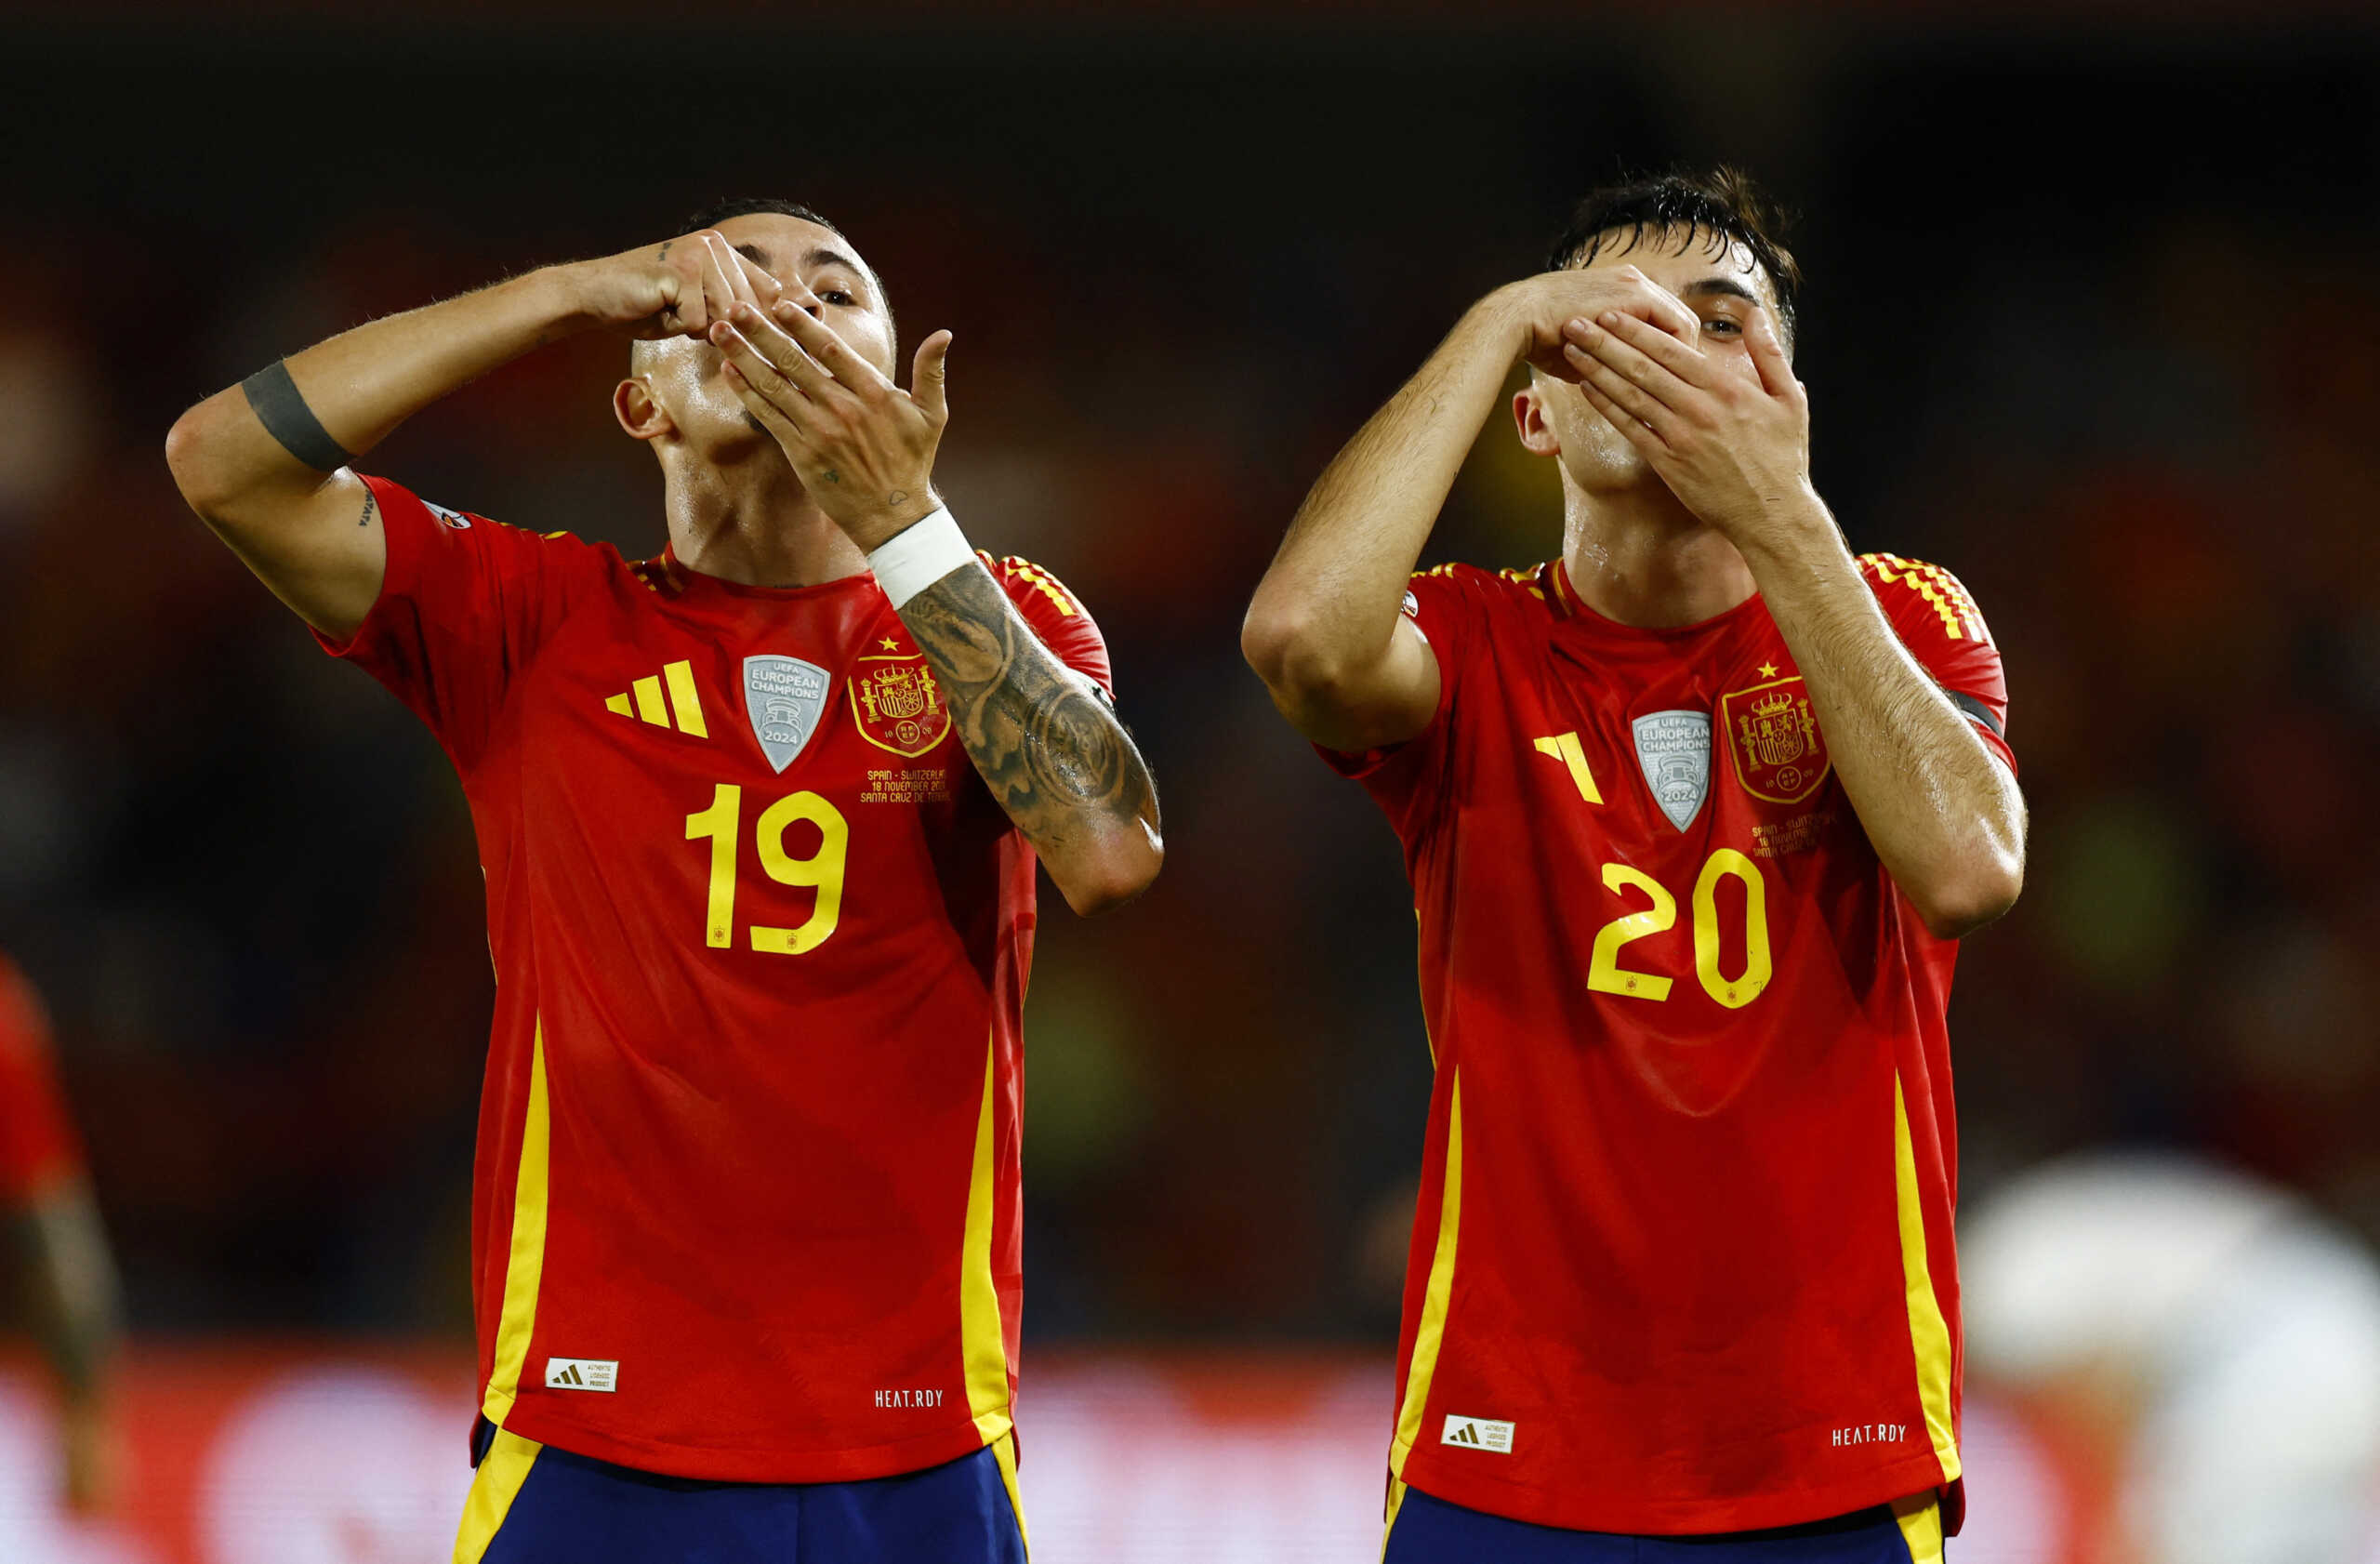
[918, 555]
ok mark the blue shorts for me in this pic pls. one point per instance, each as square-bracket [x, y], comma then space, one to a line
[1426, 1531]
[531, 1504]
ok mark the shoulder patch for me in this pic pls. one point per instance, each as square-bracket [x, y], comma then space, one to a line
[1937, 587]
[1039, 581]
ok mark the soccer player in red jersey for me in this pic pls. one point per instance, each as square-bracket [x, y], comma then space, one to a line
[1695, 816]
[54, 1241]
[759, 819]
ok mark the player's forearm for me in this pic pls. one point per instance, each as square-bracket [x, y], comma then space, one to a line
[1326, 609]
[1945, 818]
[360, 385]
[1052, 753]
[72, 1289]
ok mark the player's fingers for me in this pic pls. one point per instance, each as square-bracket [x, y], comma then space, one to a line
[1634, 430]
[753, 369]
[823, 343]
[1601, 381]
[1645, 380]
[719, 294]
[782, 353]
[1647, 301]
[1689, 365]
[1768, 356]
[739, 270]
[785, 431]
[927, 374]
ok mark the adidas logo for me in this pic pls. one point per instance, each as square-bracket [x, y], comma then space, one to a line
[1478, 1433]
[683, 703]
[582, 1373]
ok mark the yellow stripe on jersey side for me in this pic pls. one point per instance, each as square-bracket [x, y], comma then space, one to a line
[983, 1345]
[1432, 1329]
[1929, 1336]
[1921, 1528]
[494, 1487]
[526, 1264]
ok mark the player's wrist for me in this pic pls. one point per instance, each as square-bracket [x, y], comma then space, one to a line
[918, 555]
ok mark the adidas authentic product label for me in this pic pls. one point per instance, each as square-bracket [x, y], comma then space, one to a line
[603, 1373]
[1478, 1433]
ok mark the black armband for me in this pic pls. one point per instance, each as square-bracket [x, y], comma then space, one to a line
[274, 396]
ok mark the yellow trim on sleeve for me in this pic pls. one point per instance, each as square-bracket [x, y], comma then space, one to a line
[1431, 1333]
[494, 1487]
[1929, 1335]
[525, 1267]
[684, 701]
[985, 1348]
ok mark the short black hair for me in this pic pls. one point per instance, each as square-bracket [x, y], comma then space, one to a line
[752, 206]
[1721, 204]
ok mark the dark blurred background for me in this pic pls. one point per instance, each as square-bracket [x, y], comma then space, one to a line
[2091, 322]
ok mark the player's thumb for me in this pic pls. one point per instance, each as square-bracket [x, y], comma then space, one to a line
[925, 374]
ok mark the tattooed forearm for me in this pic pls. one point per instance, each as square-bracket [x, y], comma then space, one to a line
[1052, 752]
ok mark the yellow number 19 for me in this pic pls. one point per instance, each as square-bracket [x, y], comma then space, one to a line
[722, 824]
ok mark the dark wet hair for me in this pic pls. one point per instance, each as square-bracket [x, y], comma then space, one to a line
[1722, 205]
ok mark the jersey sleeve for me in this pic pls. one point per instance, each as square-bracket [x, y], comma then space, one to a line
[1937, 620]
[463, 608]
[38, 1147]
[1056, 616]
[1447, 605]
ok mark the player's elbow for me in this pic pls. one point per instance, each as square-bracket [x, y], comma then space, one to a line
[1299, 662]
[1115, 874]
[1978, 893]
[195, 453]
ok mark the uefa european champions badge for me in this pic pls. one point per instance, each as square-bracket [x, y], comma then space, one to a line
[785, 697]
[1674, 750]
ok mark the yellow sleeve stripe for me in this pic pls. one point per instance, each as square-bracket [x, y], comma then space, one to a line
[1043, 582]
[1961, 620]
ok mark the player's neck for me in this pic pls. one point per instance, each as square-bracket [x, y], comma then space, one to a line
[1640, 558]
[753, 524]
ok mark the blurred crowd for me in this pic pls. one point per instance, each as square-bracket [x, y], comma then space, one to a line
[2119, 373]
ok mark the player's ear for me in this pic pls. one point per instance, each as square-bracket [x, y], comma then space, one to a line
[1537, 431]
[639, 410]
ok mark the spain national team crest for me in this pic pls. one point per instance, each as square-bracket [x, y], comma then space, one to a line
[1673, 747]
[898, 704]
[1780, 755]
[785, 697]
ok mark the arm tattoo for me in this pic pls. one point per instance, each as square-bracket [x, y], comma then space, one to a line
[371, 508]
[1050, 750]
[285, 416]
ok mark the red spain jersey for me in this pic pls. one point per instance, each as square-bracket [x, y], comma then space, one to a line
[746, 1186]
[1683, 1261]
[38, 1147]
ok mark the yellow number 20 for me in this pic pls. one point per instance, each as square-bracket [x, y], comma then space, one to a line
[722, 824]
[1605, 975]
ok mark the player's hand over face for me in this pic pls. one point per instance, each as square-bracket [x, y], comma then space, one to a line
[677, 288]
[1552, 301]
[862, 445]
[1729, 433]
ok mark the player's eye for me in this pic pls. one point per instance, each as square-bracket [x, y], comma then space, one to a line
[1725, 325]
[834, 296]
